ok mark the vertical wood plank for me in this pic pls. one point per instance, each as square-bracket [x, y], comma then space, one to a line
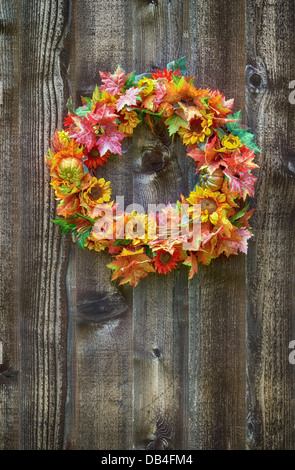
[217, 296]
[43, 256]
[160, 309]
[99, 413]
[9, 230]
[270, 68]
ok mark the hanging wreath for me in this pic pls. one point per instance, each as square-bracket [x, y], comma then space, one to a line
[211, 221]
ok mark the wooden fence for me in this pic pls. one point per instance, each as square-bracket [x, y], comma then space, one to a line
[177, 364]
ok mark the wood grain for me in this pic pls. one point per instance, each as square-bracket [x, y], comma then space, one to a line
[270, 68]
[9, 229]
[217, 296]
[170, 364]
[100, 414]
[42, 253]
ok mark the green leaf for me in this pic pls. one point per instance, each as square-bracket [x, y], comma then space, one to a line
[129, 82]
[205, 101]
[85, 217]
[174, 122]
[70, 106]
[65, 224]
[149, 252]
[95, 95]
[239, 214]
[179, 64]
[80, 237]
[84, 110]
[237, 130]
[123, 241]
[220, 133]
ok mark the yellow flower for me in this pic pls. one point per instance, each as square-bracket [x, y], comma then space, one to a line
[129, 123]
[199, 129]
[230, 142]
[148, 86]
[64, 138]
[97, 192]
[213, 205]
[96, 245]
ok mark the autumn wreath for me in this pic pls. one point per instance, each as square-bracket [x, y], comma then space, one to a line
[211, 221]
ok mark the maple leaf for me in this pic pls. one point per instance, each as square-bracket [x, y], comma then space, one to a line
[84, 132]
[128, 99]
[102, 115]
[159, 93]
[68, 206]
[174, 122]
[243, 221]
[188, 112]
[232, 245]
[111, 141]
[218, 105]
[176, 91]
[244, 184]
[193, 263]
[113, 83]
[210, 157]
[131, 266]
[241, 160]
[198, 155]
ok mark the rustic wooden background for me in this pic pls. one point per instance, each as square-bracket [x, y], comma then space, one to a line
[170, 364]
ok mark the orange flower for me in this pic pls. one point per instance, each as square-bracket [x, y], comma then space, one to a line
[94, 159]
[165, 261]
[130, 121]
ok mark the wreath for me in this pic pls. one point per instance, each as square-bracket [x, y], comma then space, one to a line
[211, 221]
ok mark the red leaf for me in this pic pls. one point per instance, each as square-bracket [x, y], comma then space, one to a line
[244, 184]
[102, 115]
[84, 133]
[129, 99]
[193, 263]
[110, 141]
[112, 83]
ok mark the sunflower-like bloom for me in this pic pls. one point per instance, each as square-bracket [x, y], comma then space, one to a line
[64, 137]
[130, 121]
[166, 261]
[94, 159]
[199, 130]
[230, 142]
[97, 192]
[214, 205]
[148, 86]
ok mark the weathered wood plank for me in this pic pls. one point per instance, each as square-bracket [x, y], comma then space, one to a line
[43, 255]
[217, 356]
[160, 321]
[270, 68]
[100, 399]
[9, 230]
